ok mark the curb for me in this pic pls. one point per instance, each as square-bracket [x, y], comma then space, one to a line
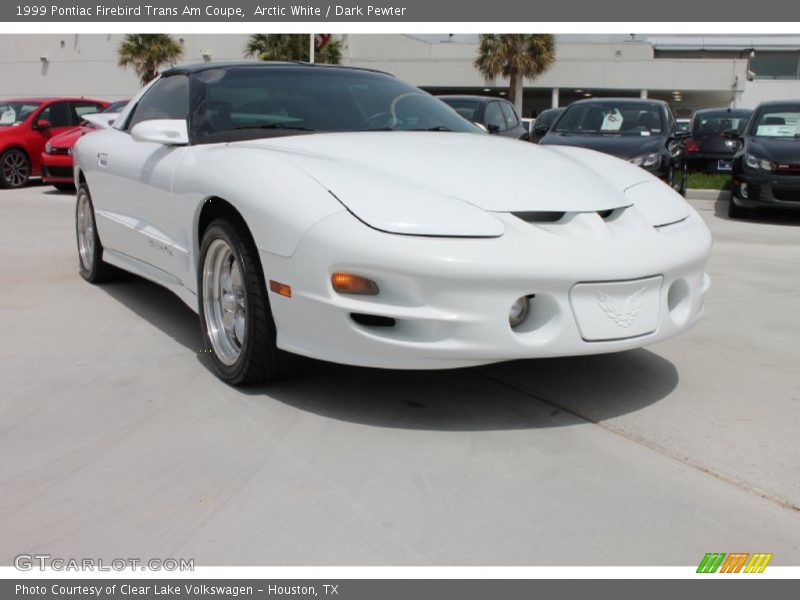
[692, 194]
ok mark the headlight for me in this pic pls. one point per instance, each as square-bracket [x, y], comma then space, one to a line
[754, 162]
[646, 160]
[48, 148]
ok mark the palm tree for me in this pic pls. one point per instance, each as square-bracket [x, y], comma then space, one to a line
[291, 47]
[515, 56]
[147, 52]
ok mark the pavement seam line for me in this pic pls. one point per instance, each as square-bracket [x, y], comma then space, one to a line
[785, 504]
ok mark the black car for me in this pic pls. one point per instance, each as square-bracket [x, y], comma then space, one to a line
[543, 123]
[708, 150]
[495, 114]
[642, 132]
[766, 168]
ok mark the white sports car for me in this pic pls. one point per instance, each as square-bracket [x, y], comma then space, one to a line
[341, 214]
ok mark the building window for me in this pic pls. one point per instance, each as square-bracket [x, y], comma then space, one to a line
[776, 65]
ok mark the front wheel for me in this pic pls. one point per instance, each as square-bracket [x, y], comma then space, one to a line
[16, 168]
[735, 211]
[235, 315]
[90, 250]
[684, 182]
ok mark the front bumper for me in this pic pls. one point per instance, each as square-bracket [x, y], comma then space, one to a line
[763, 189]
[450, 298]
[57, 168]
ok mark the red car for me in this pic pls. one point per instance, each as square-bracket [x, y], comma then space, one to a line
[26, 124]
[57, 156]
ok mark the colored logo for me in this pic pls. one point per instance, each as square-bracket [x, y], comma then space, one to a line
[737, 562]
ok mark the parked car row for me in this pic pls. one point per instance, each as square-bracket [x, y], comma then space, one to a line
[37, 135]
[760, 148]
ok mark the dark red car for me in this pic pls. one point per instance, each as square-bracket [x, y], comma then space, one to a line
[57, 156]
[26, 124]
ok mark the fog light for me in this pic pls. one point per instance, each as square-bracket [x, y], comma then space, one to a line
[518, 312]
[347, 283]
[743, 190]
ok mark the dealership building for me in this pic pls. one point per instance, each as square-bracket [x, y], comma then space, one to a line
[688, 71]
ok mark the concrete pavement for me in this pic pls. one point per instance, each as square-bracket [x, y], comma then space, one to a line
[117, 440]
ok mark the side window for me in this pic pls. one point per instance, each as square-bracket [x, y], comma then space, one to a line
[509, 115]
[58, 113]
[494, 116]
[85, 108]
[167, 99]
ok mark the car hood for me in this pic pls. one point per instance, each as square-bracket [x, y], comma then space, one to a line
[777, 150]
[621, 146]
[68, 138]
[426, 183]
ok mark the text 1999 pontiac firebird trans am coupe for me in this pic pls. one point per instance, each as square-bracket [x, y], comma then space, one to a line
[341, 214]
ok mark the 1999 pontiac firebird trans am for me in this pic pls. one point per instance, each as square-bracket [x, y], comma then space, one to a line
[341, 214]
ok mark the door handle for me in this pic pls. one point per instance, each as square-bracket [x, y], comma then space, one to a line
[102, 160]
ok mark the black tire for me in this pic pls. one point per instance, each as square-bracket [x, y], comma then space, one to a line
[259, 359]
[735, 211]
[65, 187]
[685, 182]
[15, 168]
[91, 265]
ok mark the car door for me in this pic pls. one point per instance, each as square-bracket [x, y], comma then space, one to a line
[513, 127]
[135, 180]
[59, 117]
[676, 148]
[493, 117]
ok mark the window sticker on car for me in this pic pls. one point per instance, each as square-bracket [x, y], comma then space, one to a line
[645, 133]
[612, 121]
[8, 117]
[776, 130]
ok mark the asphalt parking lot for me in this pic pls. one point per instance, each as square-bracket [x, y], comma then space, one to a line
[118, 441]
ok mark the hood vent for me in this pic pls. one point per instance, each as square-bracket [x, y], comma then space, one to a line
[541, 216]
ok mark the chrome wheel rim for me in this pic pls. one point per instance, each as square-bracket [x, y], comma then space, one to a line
[15, 168]
[224, 306]
[85, 231]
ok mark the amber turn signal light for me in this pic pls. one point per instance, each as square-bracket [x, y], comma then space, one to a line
[347, 283]
[280, 288]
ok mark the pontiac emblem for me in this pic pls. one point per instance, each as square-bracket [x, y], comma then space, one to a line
[622, 312]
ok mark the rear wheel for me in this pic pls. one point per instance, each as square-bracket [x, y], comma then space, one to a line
[16, 168]
[235, 314]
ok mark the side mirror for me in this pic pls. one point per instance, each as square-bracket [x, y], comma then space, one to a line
[168, 132]
[43, 124]
[731, 134]
[492, 128]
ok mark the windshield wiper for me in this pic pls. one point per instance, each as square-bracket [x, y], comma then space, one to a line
[273, 126]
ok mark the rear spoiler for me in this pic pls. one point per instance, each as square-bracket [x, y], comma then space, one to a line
[101, 120]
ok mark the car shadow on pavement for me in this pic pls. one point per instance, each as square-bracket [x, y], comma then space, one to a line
[524, 394]
[769, 216]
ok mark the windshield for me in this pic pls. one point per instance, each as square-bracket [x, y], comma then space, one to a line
[777, 122]
[14, 113]
[115, 107]
[617, 118]
[717, 123]
[547, 117]
[464, 106]
[261, 102]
